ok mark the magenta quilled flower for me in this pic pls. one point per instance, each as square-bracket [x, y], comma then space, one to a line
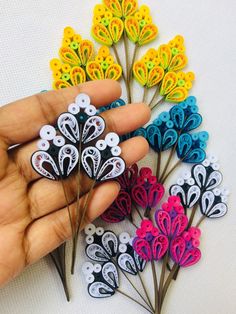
[149, 243]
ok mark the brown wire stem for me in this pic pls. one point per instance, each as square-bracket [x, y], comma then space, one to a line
[133, 286]
[158, 165]
[158, 103]
[81, 222]
[154, 96]
[127, 67]
[168, 282]
[138, 211]
[132, 299]
[162, 278]
[193, 212]
[171, 170]
[59, 262]
[156, 290]
[200, 221]
[145, 291]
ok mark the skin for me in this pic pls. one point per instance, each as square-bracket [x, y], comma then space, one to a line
[33, 214]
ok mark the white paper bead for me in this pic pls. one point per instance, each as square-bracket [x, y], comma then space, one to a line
[90, 229]
[82, 100]
[122, 248]
[47, 132]
[101, 145]
[112, 139]
[90, 110]
[99, 231]
[59, 141]
[89, 239]
[90, 278]
[87, 268]
[206, 163]
[43, 145]
[124, 237]
[116, 151]
[97, 268]
[74, 108]
[180, 181]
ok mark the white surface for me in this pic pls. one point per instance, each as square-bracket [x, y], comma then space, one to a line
[30, 36]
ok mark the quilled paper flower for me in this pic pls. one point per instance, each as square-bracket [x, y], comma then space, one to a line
[79, 125]
[151, 69]
[121, 208]
[170, 219]
[184, 249]
[104, 66]
[172, 128]
[111, 18]
[202, 187]
[110, 253]
[147, 192]
[149, 243]
[175, 86]
[77, 60]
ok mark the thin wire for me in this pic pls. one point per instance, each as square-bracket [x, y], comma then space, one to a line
[138, 211]
[162, 278]
[168, 282]
[155, 283]
[192, 215]
[137, 302]
[154, 96]
[81, 221]
[145, 291]
[171, 170]
[127, 66]
[123, 74]
[130, 282]
[158, 165]
[200, 221]
[145, 90]
[158, 103]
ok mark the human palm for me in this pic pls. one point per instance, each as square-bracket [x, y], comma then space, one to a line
[33, 214]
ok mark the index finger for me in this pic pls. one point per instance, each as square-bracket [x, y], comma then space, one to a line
[21, 120]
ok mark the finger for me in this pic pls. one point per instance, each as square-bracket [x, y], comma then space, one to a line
[21, 120]
[122, 120]
[47, 233]
[47, 196]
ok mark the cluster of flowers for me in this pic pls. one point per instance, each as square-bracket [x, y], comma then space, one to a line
[171, 235]
[161, 67]
[78, 62]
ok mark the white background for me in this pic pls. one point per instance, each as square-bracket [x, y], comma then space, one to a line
[30, 35]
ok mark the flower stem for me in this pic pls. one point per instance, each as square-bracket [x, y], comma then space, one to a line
[132, 299]
[138, 211]
[145, 90]
[145, 291]
[158, 166]
[154, 96]
[58, 258]
[200, 221]
[168, 282]
[162, 278]
[133, 286]
[81, 222]
[158, 103]
[171, 170]
[127, 67]
[156, 290]
[192, 215]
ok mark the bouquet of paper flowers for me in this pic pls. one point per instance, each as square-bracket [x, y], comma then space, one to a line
[166, 220]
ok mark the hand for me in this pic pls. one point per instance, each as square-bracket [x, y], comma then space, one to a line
[33, 215]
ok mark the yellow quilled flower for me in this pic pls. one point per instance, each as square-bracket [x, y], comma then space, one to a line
[77, 62]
